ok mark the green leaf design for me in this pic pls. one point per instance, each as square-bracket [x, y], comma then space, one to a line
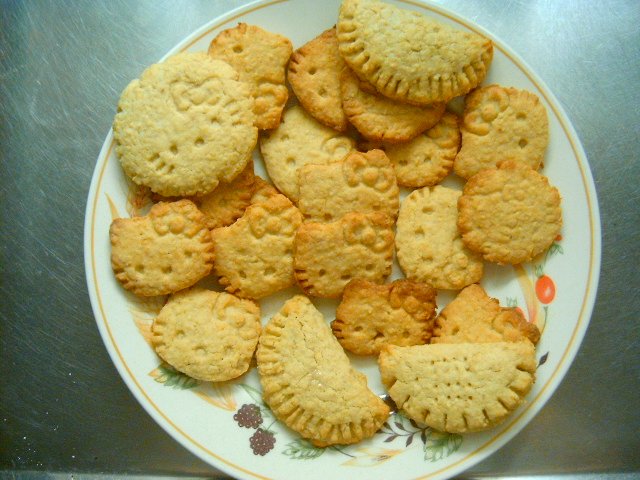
[256, 396]
[302, 450]
[441, 445]
[170, 377]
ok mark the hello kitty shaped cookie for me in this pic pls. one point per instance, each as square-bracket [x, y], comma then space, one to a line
[329, 255]
[500, 124]
[362, 182]
[254, 256]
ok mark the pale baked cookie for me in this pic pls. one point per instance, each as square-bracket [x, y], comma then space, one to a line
[254, 256]
[362, 182]
[509, 214]
[228, 201]
[428, 244]
[300, 140]
[261, 58]
[474, 317]
[308, 382]
[427, 159]
[207, 335]
[458, 388]
[162, 252]
[314, 75]
[329, 255]
[379, 118]
[501, 123]
[407, 55]
[185, 125]
[371, 315]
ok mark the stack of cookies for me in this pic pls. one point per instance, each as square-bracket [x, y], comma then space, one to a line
[369, 123]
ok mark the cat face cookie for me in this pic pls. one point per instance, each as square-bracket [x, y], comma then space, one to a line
[329, 255]
[428, 243]
[163, 252]
[207, 335]
[260, 58]
[254, 256]
[300, 140]
[361, 182]
[371, 315]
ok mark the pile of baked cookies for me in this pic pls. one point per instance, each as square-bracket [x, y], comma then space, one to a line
[371, 116]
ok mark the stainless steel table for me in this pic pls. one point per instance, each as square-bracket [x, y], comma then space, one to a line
[63, 407]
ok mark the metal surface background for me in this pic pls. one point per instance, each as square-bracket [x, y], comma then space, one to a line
[63, 407]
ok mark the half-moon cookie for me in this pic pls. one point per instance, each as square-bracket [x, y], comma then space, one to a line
[309, 383]
[408, 56]
[458, 388]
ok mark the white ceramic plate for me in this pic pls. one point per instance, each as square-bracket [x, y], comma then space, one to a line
[557, 291]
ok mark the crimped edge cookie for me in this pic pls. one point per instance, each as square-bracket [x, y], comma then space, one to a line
[308, 381]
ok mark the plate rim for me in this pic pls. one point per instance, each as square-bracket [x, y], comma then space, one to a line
[517, 422]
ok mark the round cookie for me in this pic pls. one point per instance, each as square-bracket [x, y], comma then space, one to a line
[509, 214]
[499, 124]
[163, 252]
[428, 243]
[427, 159]
[185, 125]
[207, 335]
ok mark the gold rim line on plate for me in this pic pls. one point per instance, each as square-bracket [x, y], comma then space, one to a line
[588, 288]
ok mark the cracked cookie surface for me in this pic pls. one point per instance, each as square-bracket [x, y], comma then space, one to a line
[185, 125]
[308, 381]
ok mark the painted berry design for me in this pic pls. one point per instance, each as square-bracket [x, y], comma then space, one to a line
[262, 442]
[545, 289]
[248, 416]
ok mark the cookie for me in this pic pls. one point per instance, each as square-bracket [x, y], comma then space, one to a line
[474, 317]
[427, 159]
[362, 182]
[308, 382]
[314, 75]
[428, 245]
[163, 252]
[262, 190]
[509, 214]
[371, 315]
[458, 388]
[254, 256]
[185, 125]
[328, 256]
[501, 123]
[379, 118]
[207, 335]
[261, 58]
[408, 56]
[300, 140]
[228, 201]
